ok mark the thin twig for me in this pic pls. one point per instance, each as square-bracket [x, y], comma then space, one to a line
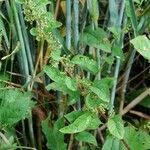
[140, 114]
[11, 83]
[135, 77]
[103, 127]
[135, 101]
[70, 142]
[125, 144]
[101, 136]
[4, 138]
[57, 9]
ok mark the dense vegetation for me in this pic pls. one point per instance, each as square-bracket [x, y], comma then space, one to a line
[74, 74]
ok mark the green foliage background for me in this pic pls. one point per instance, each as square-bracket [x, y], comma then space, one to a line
[66, 72]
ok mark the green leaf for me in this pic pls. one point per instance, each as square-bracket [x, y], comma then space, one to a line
[102, 93]
[42, 2]
[74, 96]
[127, 9]
[54, 74]
[113, 143]
[72, 116]
[79, 125]
[138, 140]
[117, 51]
[14, 106]
[20, 1]
[116, 127]
[92, 101]
[52, 24]
[34, 31]
[86, 137]
[142, 45]
[109, 59]
[116, 31]
[55, 54]
[94, 10]
[71, 83]
[86, 63]
[107, 81]
[94, 123]
[61, 86]
[55, 139]
[58, 87]
[97, 38]
[85, 148]
[101, 89]
[3, 78]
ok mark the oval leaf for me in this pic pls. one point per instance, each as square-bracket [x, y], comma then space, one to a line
[116, 127]
[138, 140]
[142, 45]
[53, 135]
[113, 143]
[54, 74]
[72, 116]
[103, 92]
[94, 122]
[86, 137]
[79, 125]
[92, 101]
[86, 63]
[94, 10]
[71, 83]
[97, 39]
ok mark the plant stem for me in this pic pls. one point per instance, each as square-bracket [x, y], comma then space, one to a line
[76, 37]
[76, 24]
[31, 132]
[68, 24]
[26, 39]
[118, 25]
[25, 63]
[57, 9]
[24, 133]
[136, 101]
[113, 11]
[115, 83]
[132, 55]
[70, 142]
[23, 50]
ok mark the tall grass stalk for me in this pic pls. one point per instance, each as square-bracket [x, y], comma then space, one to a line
[13, 34]
[118, 61]
[21, 40]
[68, 46]
[76, 24]
[76, 36]
[132, 55]
[25, 63]
[68, 24]
[113, 11]
[26, 39]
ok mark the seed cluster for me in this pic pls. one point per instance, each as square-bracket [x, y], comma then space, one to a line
[36, 12]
